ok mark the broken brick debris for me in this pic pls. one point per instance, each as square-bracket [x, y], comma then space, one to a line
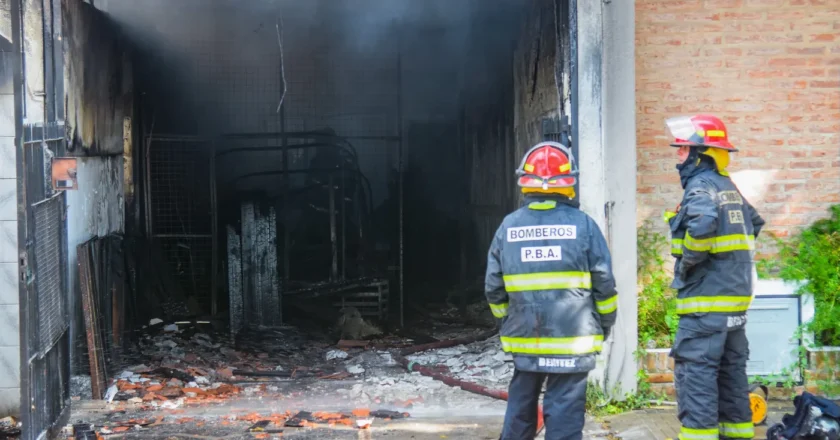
[259, 426]
[300, 420]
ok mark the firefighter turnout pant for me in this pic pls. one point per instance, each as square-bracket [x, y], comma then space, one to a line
[564, 406]
[710, 374]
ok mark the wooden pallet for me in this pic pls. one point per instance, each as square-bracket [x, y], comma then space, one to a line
[371, 300]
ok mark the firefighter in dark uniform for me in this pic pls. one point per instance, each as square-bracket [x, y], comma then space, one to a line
[550, 282]
[713, 239]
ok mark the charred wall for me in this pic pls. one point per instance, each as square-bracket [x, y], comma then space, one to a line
[498, 128]
[99, 97]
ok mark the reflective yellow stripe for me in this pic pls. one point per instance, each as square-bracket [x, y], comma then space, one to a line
[698, 434]
[737, 430]
[668, 216]
[499, 310]
[717, 245]
[608, 305]
[542, 206]
[676, 246]
[713, 304]
[548, 281]
[697, 245]
[558, 346]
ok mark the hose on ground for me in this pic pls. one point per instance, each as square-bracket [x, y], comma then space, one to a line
[451, 381]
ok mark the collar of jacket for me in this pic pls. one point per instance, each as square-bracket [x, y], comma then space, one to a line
[693, 166]
[531, 198]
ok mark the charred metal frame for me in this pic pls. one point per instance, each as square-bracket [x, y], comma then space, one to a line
[319, 140]
[340, 143]
[42, 235]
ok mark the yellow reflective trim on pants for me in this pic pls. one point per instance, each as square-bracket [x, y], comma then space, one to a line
[713, 304]
[548, 281]
[549, 346]
[608, 305]
[737, 430]
[698, 434]
[499, 310]
[717, 245]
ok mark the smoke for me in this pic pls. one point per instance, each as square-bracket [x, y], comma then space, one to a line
[207, 67]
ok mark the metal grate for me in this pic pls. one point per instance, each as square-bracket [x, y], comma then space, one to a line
[179, 176]
[190, 261]
[49, 248]
[181, 210]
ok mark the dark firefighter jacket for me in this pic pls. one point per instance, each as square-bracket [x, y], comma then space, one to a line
[549, 279]
[713, 239]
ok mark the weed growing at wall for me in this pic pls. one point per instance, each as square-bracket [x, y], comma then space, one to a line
[599, 403]
[657, 304]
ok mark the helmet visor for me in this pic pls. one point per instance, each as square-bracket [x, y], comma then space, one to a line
[682, 130]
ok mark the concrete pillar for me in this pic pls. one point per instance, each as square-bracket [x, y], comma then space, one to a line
[607, 146]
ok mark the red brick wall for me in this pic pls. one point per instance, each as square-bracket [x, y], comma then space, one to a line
[771, 70]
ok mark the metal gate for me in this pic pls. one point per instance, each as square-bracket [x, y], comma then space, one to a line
[45, 378]
[180, 212]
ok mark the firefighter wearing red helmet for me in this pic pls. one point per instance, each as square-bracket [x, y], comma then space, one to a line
[713, 239]
[550, 283]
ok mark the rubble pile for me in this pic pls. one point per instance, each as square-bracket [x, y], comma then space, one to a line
[168, 387]
[481, 362]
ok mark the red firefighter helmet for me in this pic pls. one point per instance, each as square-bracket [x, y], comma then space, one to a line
[699, 131]
[547, 165]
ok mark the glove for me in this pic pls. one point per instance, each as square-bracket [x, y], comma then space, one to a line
[607, 331]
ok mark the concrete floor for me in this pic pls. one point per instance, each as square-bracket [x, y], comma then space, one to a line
[215, 423]
[454, 414]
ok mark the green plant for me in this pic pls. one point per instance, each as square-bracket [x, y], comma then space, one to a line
[657, 305]
[599, 403]
[813, 256]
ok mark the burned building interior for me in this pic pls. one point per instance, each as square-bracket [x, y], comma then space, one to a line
[282, 170]
[296, 158]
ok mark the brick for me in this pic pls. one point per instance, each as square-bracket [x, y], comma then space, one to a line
[806, 50]
[660, 378]
[825, 84]
[743, 16]
[779, 38]
[825, 129]
[764, 27]
[822, 38]
[765, 3]
[765, 51]
[807, 165]
[763, 73]
[802, 73]
[745, 107]
[787, 62]
[722, 4]
[675, 5]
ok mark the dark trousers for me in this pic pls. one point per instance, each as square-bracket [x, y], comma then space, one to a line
[564, 406]
[710, 370]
